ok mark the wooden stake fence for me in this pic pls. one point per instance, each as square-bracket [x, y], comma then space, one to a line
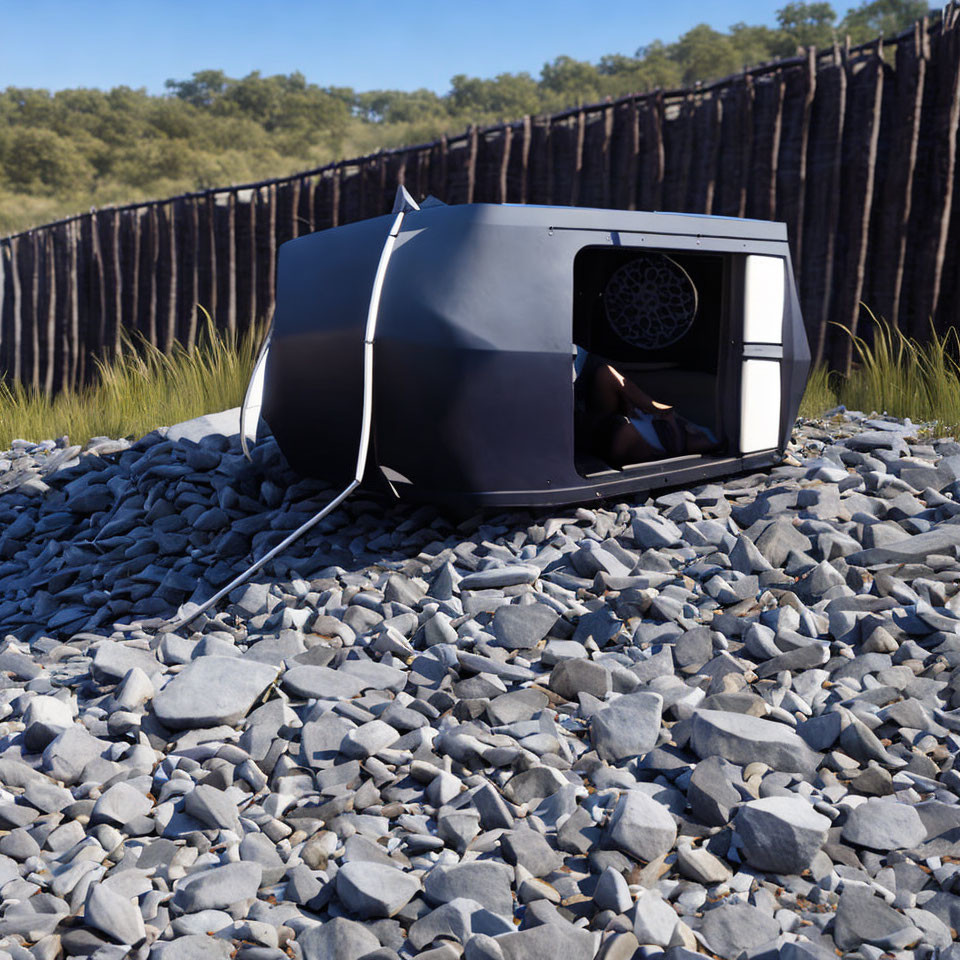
[855, 149]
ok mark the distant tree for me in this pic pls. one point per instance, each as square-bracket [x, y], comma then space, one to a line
[568, 82]
[875, 18]
[29, 107]
[202, 90]
[40, 161]
[398, 106]
[755, 45]
[806, 24]
[508, 95]
[705, 54]
[651, 68]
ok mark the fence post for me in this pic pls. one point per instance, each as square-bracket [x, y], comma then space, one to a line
[4, 302]
[504, 163]
[17, 308]
[232, 262]
[651, 172]
[34, 315]
[821, 228]
[73, 294]
[862, 133]
[50, 279]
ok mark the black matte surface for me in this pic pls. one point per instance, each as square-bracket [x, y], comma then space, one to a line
[473, 393]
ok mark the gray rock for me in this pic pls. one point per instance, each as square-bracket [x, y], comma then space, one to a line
[778, 539]
[218, 887]
[492, 809]
[486, 882]
[211, 691]
[628, 728]
[373, 675]
[549, 940]
[732, 927]
[746, 558]
[322, 683]
[65, 757]
[44, 719]
[114, 660]
[641, 826]
[819, 580]
[320, 739]
[192, 947]
[861, 743]
[120, 804]
[693, 649]
[113, 914]
[780, 834]
[518, 705]
[935, 932]
[821, 733]
[368, 739]
[911, 549]
[701, 866]
[374, 889]
[864, 918]
[531, 850]
[599, 627]
[458, 827]
[523, 627]
[711, 794]
[884, 825]
[570, 678]
[305, 889]
[655, 921]
[482, 947]
[655, 531]
[537, 782]
[260, 849]
[337, 939]
[612, 892]
[213, 808]
[591, 558]
[460, 919]
[19, 844]
[742, 739]
[494, 578]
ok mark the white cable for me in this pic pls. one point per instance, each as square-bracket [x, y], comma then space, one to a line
[366, 416]
[254, 389]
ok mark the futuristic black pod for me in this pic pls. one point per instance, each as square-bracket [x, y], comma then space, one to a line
[438, 341]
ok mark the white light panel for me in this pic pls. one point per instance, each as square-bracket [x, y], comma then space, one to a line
[763, 300]
[759, 405]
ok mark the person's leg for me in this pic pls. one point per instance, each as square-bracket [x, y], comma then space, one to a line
[606, 392]
[696, 439]
[627, 446]
[614, 391]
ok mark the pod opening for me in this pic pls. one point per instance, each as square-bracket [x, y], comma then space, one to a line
[648, 336]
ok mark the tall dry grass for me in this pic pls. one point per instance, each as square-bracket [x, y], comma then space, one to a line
[142, 389]
[895, 375]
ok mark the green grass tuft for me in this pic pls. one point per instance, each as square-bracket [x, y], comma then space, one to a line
[820, 394]
[142, 389]
[896, 375]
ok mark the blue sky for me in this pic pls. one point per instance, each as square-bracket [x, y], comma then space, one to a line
[365, 44]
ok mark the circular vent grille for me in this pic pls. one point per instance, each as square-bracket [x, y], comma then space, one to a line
[650, 301]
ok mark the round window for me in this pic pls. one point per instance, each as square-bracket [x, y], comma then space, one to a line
[650, 301]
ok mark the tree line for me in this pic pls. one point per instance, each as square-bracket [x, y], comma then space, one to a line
[64, 151]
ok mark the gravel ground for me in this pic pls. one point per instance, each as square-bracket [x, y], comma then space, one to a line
[722, 720]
